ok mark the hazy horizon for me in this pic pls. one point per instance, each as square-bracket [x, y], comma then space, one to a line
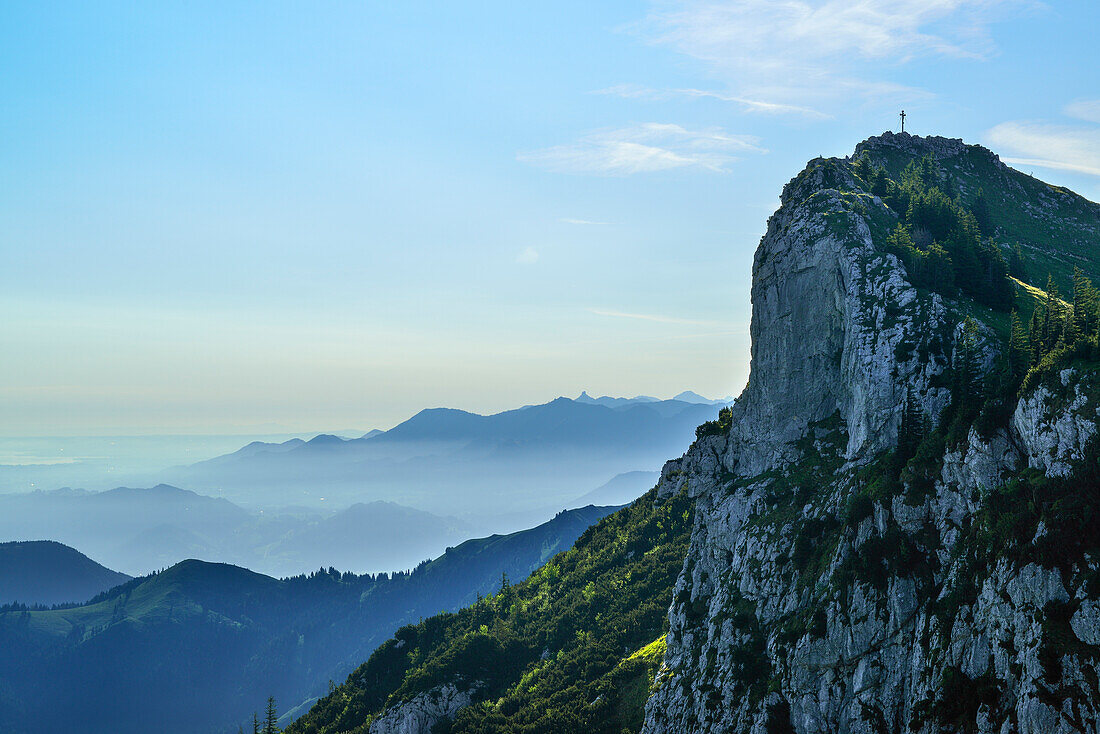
[281, 432]
[224, 220]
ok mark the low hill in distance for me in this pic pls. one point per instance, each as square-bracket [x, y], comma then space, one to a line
[621, 489]
[45, 572]
[142, 530]
[201, 645]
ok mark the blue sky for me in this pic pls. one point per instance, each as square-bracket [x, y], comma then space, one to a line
[222, 217]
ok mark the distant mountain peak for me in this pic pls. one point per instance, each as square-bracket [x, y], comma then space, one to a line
[322, 439]
[584, 397]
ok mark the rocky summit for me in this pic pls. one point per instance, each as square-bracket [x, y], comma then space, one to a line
[828, 587]
[895, 528]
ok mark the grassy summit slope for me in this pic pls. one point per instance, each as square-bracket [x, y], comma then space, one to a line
[1056, 228]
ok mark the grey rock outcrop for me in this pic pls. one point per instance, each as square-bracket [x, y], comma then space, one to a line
[836, 327]
[421, 714]
[1054, 436]
[813, 598]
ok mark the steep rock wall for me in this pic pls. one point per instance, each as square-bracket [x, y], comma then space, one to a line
[836, 327]
[813, 599]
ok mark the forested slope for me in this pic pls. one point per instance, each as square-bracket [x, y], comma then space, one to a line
[572, 648]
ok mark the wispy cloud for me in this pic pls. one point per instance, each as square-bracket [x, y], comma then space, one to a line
[1084, 109]
[635, 91]
[1062, 147]
[649, 317]
[644, 148]
[527, 256]
[579, 222]
[790, 52]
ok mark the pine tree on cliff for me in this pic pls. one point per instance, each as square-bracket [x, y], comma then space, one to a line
[980, 209]
[1084, 306]
[1070, 332]
[967, 392]
[914, 426]
[880, 182]
[1046, 322]
[271, 718]
[1019, 350]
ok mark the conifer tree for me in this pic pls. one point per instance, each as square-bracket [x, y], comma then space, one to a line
[1035, 333]
[1016, 267]
[967, 386]
[1084, 305]
[1051, 324]
[1070, 332]
[863, 167]
[271, 718]
[913, 426]
[255, 723]
[980, 209]
[1019, 350]
[900, 239]
[880, 184]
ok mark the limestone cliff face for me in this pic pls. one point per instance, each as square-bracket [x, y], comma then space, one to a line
[813, 599]
[831, 315]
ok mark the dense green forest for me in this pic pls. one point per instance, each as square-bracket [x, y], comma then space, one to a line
[573, 648]
[940, 239]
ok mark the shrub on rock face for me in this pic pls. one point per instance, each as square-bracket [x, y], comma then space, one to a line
[716, 428]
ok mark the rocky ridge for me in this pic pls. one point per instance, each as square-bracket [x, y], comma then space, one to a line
[816, 599]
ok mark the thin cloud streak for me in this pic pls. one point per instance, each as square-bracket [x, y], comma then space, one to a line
[634, 91]
[1052, 164]
[1061, 147]
[581, 222]
[657, 318]
[644, 148]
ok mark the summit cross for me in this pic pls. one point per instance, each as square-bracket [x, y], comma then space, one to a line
[903, 120]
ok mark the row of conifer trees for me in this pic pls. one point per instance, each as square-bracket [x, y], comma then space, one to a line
[938, 237]
[1056, 328]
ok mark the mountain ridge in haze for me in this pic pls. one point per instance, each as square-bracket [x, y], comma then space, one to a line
[454, 462]
[47, 572]
[140, 530]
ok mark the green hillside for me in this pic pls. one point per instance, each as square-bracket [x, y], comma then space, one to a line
[1056, 228]
[197, 647]
[45, 572]
[572, 648]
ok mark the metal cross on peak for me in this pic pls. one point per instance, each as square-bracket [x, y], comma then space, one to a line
[903, 120]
